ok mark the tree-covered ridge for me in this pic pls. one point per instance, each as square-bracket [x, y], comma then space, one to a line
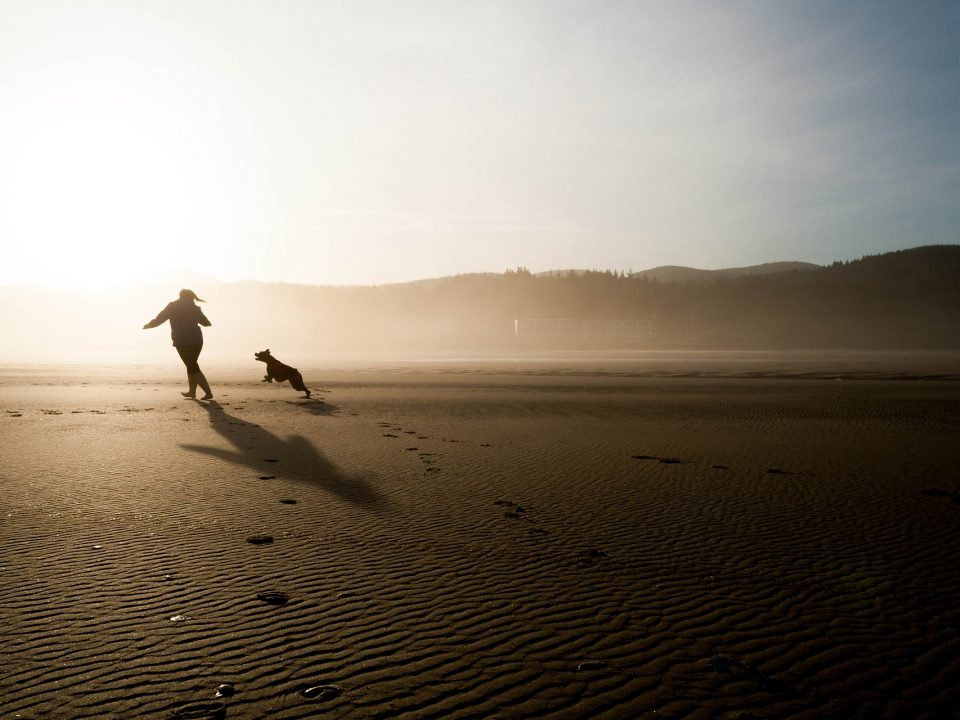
[909, 298]
[902, 300]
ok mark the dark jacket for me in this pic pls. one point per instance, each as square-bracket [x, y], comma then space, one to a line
[185, 320]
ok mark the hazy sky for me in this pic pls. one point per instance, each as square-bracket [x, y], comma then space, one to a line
[366, 142]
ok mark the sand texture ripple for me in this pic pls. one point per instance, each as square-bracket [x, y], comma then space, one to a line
[480, 544]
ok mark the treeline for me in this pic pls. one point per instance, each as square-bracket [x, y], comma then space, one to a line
[902, 300]
[905, 299]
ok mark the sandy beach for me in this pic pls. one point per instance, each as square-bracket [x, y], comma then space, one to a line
[688, 536]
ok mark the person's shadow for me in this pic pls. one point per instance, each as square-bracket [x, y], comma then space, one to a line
[295, 458]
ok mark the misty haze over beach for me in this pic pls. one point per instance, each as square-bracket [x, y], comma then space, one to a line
[906, 300]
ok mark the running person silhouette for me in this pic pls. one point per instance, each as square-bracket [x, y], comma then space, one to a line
[185, 321]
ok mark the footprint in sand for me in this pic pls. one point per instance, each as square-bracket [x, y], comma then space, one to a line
[266, 477]
[260, 539]
[272, 597]
[514, 511]
[740, 670]
[663, 460]
[936, 492]
[591, 556]
[288, 501]
[390, 435]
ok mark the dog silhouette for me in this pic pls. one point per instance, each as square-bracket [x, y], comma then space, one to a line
[276, 370]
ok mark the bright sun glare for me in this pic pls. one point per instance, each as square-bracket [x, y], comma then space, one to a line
[98, 204]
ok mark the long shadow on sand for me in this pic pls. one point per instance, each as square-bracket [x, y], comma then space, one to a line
[314, 407]
[293, 458]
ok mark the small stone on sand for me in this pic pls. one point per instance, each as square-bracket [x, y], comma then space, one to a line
[591, 665]
[321, 692]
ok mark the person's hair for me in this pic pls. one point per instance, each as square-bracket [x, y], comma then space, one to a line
[189, 294]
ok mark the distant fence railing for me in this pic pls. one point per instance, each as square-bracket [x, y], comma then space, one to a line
[572, 328]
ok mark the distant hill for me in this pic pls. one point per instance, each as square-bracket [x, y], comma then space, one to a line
[908, 299]
[694, 276]
[426, 282]
[905, 299]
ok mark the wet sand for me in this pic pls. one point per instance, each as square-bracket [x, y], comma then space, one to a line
[695, 537]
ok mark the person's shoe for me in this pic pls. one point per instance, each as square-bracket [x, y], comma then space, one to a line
[208, 396]
[192, 395]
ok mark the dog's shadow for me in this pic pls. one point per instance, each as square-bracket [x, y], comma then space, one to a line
[294, 458]
[315, 407]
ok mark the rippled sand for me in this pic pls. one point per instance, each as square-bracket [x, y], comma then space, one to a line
[515, 541]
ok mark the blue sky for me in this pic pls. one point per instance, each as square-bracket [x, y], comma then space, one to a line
[368, 142]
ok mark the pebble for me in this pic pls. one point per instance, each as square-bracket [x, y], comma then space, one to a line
[591, 665]
[321, 692]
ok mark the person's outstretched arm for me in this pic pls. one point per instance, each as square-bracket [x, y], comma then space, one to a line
[202, 319]
[158, 320]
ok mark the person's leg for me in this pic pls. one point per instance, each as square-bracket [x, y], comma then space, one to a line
[188, 354]
[204, 385]
[201, 380]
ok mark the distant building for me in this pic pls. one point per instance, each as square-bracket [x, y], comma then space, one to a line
[570, 328]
